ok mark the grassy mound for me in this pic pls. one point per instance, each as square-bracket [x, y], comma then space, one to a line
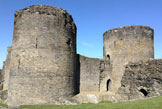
[153, 103]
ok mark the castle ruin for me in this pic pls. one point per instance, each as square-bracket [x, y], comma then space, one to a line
[42, 66]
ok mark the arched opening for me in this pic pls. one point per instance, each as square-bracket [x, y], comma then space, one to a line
[108, 84]
[108, 56]
[108, 59]
[144, 92]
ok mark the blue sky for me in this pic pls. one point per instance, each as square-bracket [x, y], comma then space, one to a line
[93, 18]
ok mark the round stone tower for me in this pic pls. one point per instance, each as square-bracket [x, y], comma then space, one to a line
[43, 56]
[127, 44]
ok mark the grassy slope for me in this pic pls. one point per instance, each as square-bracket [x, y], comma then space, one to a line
[153, 103]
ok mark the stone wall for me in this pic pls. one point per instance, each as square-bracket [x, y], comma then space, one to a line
[125, 44]
[43, 56]
[6, 69]
[142, 79]
[42, 66]
[92, 73]
[3, 93]
[105, 75]
[89, 74]
[1, 80]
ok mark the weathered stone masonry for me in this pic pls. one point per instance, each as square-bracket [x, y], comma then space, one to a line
[124, 45]
[43, 56]
[142, 79]
[42, 66]
[94, 74]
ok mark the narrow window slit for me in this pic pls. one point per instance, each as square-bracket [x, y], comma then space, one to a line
[36, 46]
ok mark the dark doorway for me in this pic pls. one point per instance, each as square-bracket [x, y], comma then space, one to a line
[144, 92]
[108, 84]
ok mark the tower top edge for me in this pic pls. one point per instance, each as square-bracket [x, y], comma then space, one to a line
[41, 9]
[128, 27]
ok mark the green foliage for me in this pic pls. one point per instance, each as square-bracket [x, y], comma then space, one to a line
[153, 103]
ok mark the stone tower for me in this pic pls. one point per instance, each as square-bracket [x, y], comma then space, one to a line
[127, 44]
[43, 56]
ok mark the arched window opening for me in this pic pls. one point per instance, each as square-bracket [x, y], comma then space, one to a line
[108, 84]
[108, 56]
[144, 92]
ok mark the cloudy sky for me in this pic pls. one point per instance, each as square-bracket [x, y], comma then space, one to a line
[93, 18]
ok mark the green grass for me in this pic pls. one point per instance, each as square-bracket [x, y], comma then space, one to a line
[3, 105]
[153, 103]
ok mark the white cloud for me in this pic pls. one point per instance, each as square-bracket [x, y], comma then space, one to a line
[86, 44]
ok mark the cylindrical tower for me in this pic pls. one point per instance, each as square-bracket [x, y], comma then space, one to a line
[127, 44]
[43, 56]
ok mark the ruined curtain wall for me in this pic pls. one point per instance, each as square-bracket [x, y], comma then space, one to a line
[142, 79]
[92, 73]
